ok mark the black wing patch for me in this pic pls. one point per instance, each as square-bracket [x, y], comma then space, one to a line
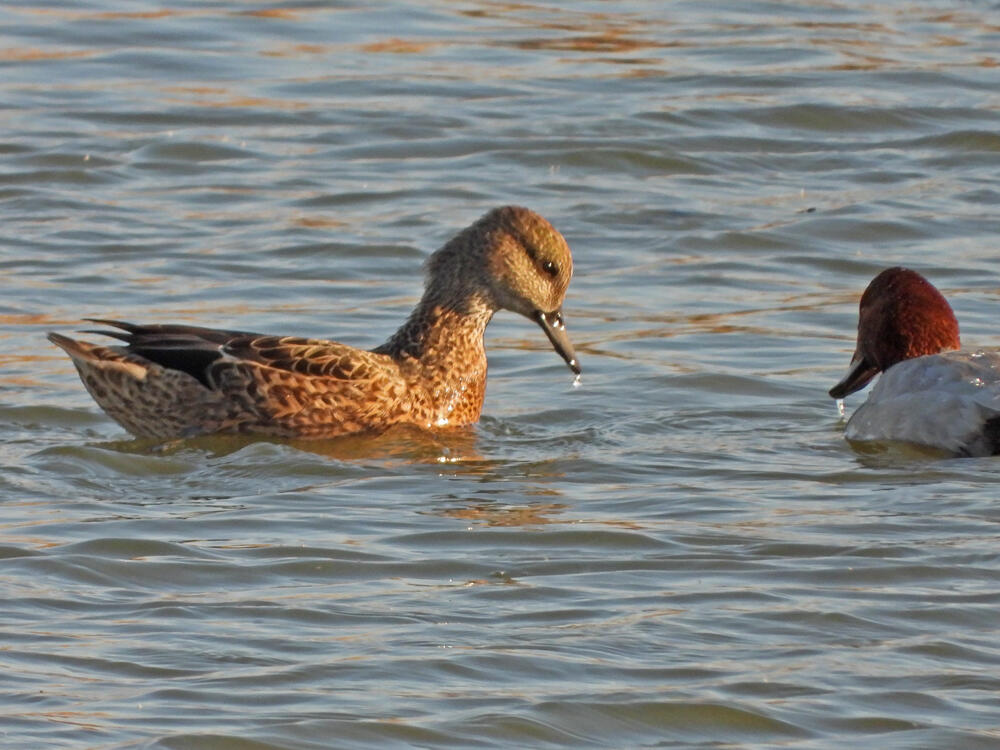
[190, 349]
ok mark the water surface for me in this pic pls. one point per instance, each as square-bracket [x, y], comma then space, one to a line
[683, 552]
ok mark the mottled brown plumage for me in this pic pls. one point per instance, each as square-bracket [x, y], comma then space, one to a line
[179, 381]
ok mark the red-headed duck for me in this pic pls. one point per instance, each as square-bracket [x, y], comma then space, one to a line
[930, 393]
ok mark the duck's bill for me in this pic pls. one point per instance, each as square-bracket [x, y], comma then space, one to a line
[555, 329]
[860, 374]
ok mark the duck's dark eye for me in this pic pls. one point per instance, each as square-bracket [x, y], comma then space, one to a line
[550, 268]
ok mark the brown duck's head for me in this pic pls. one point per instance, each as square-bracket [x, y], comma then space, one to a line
[901, 316]
[523, 264]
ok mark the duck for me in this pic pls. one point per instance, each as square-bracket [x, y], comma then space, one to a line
[930, 393]
[172, 381]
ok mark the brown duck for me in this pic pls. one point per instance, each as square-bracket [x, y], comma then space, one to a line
[172, 381]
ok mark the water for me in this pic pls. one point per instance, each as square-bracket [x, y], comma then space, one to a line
[681, 552]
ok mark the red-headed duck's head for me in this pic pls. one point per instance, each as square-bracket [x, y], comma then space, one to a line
[901, 316]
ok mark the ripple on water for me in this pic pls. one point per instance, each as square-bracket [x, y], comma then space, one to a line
[681, 552]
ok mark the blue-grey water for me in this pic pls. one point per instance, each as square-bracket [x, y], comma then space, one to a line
[681, 553]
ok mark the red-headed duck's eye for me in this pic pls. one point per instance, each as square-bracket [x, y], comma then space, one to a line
[550, 268]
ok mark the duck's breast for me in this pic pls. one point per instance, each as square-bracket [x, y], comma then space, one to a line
[945, 401]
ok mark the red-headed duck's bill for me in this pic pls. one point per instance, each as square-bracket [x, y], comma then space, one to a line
[857, 377]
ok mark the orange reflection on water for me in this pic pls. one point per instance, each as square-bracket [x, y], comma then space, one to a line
[398, 46]
[31, 54]
[490, 514]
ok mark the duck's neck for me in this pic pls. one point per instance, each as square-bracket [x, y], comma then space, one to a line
[440, 347]
[437, 330]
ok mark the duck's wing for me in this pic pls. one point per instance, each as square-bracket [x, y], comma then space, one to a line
[176, 381]
[317, 358]
[190, 349]
[948, 401]
[200, 352]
